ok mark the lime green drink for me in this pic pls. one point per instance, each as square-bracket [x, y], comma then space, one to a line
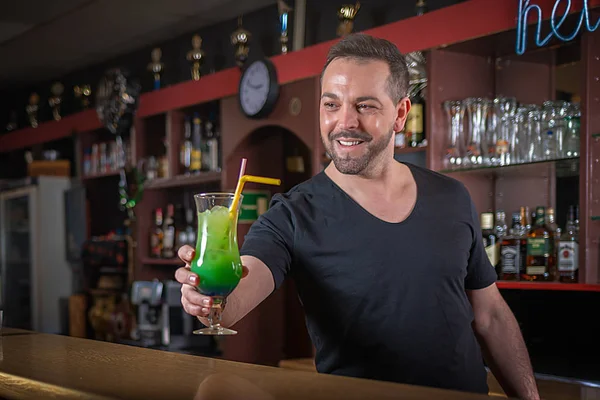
[217, 259]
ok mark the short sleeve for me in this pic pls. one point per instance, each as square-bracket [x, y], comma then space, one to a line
[271, 239]
[480, 271]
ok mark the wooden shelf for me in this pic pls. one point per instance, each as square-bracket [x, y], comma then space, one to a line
[440, 28]
[99, 175]
[161, 261]
[183, 180]
[520, 285]
[407, 150]
[522, 169]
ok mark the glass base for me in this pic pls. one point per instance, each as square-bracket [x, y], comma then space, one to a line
[215, 330]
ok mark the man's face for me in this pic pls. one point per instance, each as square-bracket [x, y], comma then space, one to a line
[358, 118]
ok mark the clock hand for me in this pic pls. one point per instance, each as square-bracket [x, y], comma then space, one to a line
[255, 87]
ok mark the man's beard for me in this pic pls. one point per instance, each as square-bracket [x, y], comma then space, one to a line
[354, 165]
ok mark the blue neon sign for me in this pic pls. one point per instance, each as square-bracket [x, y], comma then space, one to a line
[555, 22]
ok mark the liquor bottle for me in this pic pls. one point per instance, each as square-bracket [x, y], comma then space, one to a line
[168, 250]
[415, 120]
[554, 228]
[212, 147]
[568, 251]
[156, 235]
[196, 160]
[189, 227]
[540, 250]
[186, 146]
[490, 241]
[513, 251]
[180, 232]
[526, 219]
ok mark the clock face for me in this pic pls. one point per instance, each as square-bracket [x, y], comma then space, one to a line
[255, 88]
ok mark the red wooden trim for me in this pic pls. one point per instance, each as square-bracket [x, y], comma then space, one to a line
[210, 87]
[50, 130]
[449, 25]
[582, 287]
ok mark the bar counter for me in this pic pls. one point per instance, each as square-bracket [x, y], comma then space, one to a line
[35, 366]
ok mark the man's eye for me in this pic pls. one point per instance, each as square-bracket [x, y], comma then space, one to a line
[364, 107]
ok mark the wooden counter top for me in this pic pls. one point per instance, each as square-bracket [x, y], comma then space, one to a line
[34, 365]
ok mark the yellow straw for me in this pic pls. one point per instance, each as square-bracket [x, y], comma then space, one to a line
[243, 178]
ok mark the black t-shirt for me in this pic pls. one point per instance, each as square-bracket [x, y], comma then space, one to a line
[383, 301]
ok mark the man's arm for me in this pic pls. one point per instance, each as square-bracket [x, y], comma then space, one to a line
[502, 343]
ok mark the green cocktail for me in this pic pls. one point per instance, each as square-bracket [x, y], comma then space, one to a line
[217, 258]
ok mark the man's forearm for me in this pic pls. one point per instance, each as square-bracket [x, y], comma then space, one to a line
[506, 354]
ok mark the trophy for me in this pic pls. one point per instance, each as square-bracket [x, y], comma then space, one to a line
[32, 109]
[284, 10]
[54, 101]
[240, 39]
[346, 14]
[156, 67]
[196, 57]
[421, 7]
[83, 93]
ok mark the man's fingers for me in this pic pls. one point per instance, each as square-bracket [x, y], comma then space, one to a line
[193, 309]
[186, 253]
[184, 276]
[192, 296]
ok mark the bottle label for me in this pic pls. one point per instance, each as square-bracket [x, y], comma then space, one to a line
[537, 247]
[196, 161]
[501, 147]
[155, 245]
[493, 253]
[568, 256]
[510, 259]
[414, 121]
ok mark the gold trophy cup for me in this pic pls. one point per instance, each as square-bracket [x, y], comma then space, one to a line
[240, 38]
[196, 57]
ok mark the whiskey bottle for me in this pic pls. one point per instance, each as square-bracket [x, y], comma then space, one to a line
[568, 251]
[490, 240]
[540, 264]
[168, 250]
[156, 235]
[513, 251]
[526, 219]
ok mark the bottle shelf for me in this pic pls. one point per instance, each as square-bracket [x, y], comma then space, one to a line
[521, 285]
[183, 180]
[407, 150]
[161, 261]
[568, 166]
[99, 175]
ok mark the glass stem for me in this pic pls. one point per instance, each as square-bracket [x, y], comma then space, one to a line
[216, 310]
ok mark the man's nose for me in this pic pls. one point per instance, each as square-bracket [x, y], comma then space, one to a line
[348, 118]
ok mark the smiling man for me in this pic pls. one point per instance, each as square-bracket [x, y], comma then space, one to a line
[387, 257]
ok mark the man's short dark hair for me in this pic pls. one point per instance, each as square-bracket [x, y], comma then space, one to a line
[362, 47]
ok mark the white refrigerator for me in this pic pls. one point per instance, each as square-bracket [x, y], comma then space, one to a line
[35, 276]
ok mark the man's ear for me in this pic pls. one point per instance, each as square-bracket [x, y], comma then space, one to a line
[402, 109]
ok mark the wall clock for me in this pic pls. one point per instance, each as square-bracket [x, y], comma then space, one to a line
[259, 89]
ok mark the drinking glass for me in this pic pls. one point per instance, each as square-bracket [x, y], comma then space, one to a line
[217, 260]
[455, 112]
